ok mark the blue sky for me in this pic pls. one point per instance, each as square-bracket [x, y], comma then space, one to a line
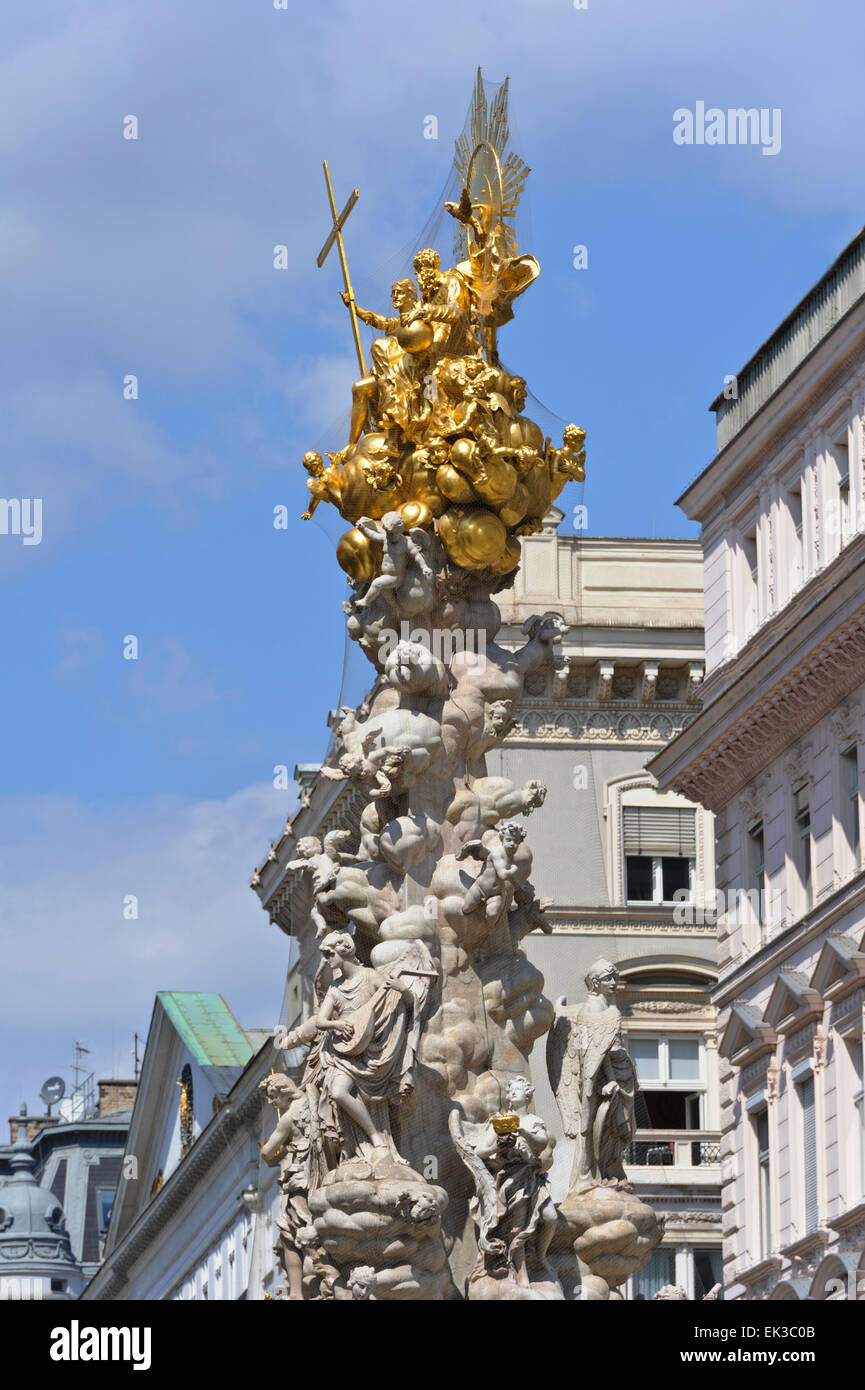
[155, 257]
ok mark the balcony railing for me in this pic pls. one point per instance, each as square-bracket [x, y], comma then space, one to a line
[674, 1148]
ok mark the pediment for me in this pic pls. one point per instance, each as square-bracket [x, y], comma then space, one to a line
[792, 1001]
[747, 1034]
[840, 967]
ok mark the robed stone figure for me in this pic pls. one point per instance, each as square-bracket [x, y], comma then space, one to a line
[593, 1079]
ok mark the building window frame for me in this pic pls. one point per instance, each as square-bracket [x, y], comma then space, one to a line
[641, 790]
[801, 845]
[849, 805]
[761, 1130]
[851, 1091]
[804, 1086]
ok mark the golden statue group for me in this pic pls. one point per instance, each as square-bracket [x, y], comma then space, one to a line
[438, 432]
[411, 1162]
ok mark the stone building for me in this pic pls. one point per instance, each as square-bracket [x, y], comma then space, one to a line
[193, 1217]
[75, 1157]
[776, 754]
[612, 852]
[36, 1257]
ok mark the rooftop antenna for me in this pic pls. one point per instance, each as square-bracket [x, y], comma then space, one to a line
[77, 1064]
[134, 1051]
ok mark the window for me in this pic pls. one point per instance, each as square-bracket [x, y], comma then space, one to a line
[660, 847]
[757, 868]
[752, 588]
[58, 1285]
[797, 557]
[805, 1090]
[659, 1270]
[802, 839]
[671, 1073]
[707, 1272]
[850, 798]
[764, 1182]
[696, 1270]
[841, 455]
[854, 1047]
[104, 1205]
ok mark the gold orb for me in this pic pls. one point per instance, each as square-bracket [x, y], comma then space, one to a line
[415, 337]
[474, 539]
[510, 557]
[358, 556]
[415, 513]
[499, 483]
[516, 506]
[464, 453]
[454, 486]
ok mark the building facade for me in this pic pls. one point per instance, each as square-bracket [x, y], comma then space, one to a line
[617, 858]
[775, 753]
[76, 1158]
[193, 1218]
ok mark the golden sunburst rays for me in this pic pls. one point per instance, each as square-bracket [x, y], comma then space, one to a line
[504, 177]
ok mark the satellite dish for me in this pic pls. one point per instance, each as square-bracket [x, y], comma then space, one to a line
[53, 1091]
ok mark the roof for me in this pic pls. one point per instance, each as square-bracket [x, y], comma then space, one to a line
[211, 1033]
[846, 261]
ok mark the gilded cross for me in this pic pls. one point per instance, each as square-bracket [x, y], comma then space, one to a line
[335, 235]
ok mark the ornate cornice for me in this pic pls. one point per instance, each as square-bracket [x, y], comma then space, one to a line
[617, 722]
[776, 717]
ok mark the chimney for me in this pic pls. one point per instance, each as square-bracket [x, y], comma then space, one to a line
[34, 1124]
[116, 1095]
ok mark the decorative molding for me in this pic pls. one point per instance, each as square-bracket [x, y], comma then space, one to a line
[776, 715]
[585, 723]
[649, 682]
[606, 671]
[845, 720]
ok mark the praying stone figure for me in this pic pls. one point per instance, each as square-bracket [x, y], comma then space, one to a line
[594, 1079]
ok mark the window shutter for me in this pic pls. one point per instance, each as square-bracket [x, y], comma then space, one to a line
[660, 830]
[809, 1152]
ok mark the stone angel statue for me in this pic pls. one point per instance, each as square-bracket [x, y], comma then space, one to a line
[322, 863]
[406, 577]
[494, 886]
[593, 1079]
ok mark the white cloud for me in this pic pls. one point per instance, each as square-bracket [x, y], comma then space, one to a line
[71, 966]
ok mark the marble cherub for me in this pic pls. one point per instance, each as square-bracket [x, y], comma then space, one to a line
[322, 863]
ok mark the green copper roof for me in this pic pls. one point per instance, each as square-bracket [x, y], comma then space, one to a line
[208, 1027]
